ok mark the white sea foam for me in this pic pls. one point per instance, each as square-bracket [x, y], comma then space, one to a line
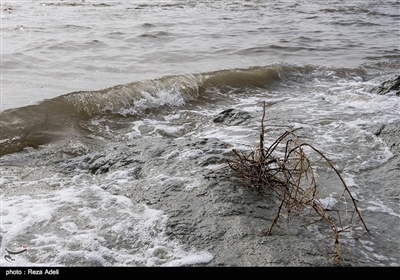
[160, 98]
[148, 127]
[367, 245]
[378, 206]
[328, 202]
[193, 153]
[82, 224]
[238, 136]
[380, 257]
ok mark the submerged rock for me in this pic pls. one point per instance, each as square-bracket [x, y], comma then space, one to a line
[392, 85]
[390, 134]
[232, 117]
[207, 208]
[210, 210]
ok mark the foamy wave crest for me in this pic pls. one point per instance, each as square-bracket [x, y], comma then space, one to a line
[62, 116]
[135, 97]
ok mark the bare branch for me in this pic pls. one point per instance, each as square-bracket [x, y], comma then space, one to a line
[292, 180]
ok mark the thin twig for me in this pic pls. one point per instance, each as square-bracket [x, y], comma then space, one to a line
[292, 180]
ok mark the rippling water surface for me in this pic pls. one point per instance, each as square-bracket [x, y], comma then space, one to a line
[76, 75]
[53, 47]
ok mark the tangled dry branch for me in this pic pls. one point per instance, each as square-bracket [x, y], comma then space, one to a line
[291, 179]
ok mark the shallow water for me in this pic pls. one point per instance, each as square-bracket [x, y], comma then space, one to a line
[117, 71]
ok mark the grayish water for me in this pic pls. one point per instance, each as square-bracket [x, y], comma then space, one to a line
[116, 70]
[50, 48]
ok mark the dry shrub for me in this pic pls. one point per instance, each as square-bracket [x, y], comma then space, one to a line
[291, 179]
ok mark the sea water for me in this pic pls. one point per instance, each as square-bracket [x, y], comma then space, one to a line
[76, 75]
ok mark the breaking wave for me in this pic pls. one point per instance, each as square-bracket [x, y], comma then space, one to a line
[59, 117]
